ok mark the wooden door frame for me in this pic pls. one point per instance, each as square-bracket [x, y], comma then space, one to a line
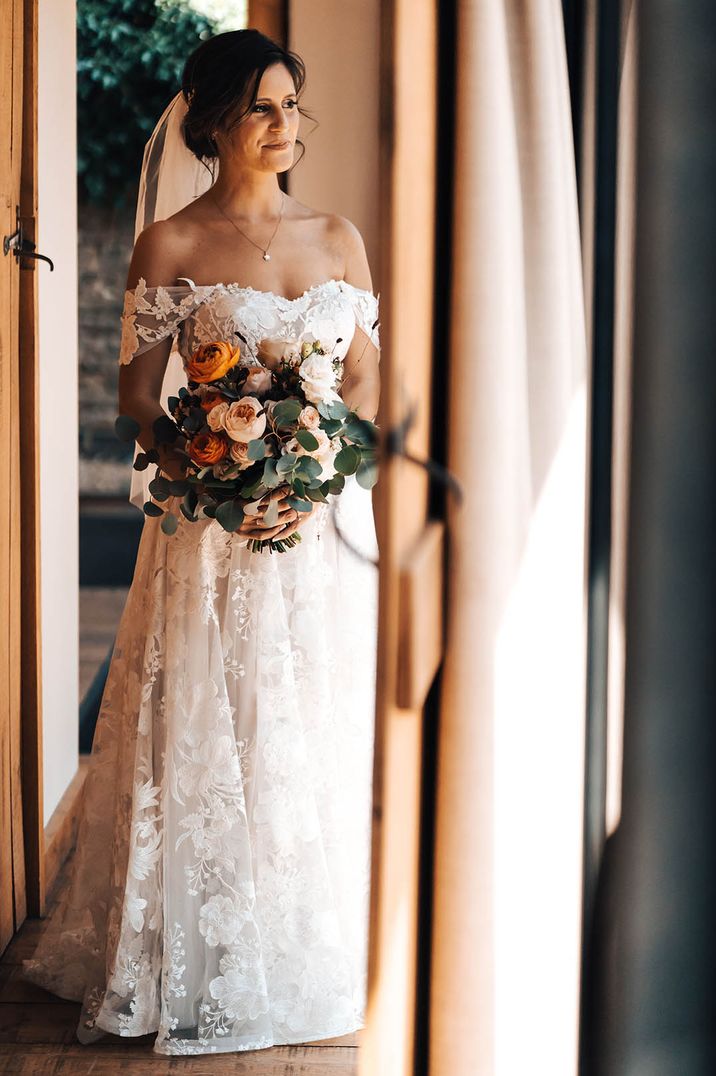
[31, 634]
[11, 67]
[21, 826]
[411, 547]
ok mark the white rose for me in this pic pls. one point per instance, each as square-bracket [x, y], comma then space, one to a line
[242, 420]
[309, 418]
[319, 379]
[258, 382]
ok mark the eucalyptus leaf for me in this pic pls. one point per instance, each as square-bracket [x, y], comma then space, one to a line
[256, 449]
[230, 514]
[307, 440]
[165, 429]
[126, 427]
[309, 468]
[270, 516]
[141, 462]
[270, 476]
[152, 509]
[170, 523]
[286, 462]
[159, 488]
[347, 460]
[361, 430]
[286, 411]
[367, 474]
[331, 426]
[299, 503]
[337, 409]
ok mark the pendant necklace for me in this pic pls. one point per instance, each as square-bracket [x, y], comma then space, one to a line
[266, 255]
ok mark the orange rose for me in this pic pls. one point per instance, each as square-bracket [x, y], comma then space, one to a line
[208, 447]
[211, 361]
[210, 400]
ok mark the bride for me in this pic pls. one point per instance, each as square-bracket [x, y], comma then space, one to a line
[218, 893]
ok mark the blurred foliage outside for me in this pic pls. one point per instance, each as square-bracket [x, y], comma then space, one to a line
[130, 55]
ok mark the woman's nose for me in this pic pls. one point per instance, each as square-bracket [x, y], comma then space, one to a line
[280, 122]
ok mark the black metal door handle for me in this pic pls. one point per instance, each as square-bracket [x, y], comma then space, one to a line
[21, 246]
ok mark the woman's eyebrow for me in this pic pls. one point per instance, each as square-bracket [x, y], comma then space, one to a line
[283, 98]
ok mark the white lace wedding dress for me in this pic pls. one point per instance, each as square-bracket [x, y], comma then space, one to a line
[219, 889]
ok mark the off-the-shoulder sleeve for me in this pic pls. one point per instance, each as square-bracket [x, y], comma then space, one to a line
[365, 306]
[152, 314]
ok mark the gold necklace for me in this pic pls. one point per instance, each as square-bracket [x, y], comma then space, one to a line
[267, 256]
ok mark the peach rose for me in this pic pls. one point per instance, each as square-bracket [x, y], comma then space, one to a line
[271, 353]
[211, 361]
[238, 451]
[242, 420]
[258, 382]
[215, 417]
[207, 447]
[309, 418]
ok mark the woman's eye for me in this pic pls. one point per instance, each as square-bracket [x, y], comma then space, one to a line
[261, 108]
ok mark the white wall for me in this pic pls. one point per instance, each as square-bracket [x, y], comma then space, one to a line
[339, 43]
[57, 237]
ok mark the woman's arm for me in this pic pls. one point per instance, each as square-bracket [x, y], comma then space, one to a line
[360, 388]
[155, 258]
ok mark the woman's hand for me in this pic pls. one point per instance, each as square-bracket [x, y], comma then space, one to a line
[170, 464]
[289, 519]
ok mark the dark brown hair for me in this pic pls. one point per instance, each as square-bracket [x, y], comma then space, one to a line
[216, 78]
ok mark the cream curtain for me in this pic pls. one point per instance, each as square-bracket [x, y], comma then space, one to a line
[510, 767]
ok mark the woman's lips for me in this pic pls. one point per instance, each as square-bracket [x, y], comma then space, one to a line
[276, 145]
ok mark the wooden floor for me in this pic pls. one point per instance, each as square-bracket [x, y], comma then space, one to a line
[37, 1036]
[100, 610]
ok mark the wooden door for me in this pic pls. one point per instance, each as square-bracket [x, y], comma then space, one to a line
[12, 897]
[409, 645]
[21, 833]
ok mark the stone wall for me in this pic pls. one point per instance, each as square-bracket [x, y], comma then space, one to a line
[106, 238]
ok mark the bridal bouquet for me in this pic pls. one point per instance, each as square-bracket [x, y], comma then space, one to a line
[250, 429]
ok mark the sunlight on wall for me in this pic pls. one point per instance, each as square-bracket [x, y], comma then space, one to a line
[539, 762]
[58, 347]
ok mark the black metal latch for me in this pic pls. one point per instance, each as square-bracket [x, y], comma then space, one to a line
[20, 245]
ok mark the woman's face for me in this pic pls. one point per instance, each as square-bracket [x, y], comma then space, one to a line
[273, 118]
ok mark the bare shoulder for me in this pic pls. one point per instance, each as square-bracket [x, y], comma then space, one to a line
[158, 253]
[345, 235]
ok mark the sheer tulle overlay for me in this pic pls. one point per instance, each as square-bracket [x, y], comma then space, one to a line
[219, 890]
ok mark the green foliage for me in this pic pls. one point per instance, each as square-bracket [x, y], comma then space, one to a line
[126, 427]
[130, 54]
[170, 523]
[230, 514]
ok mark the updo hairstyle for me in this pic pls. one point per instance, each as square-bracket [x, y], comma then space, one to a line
[216, 77]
